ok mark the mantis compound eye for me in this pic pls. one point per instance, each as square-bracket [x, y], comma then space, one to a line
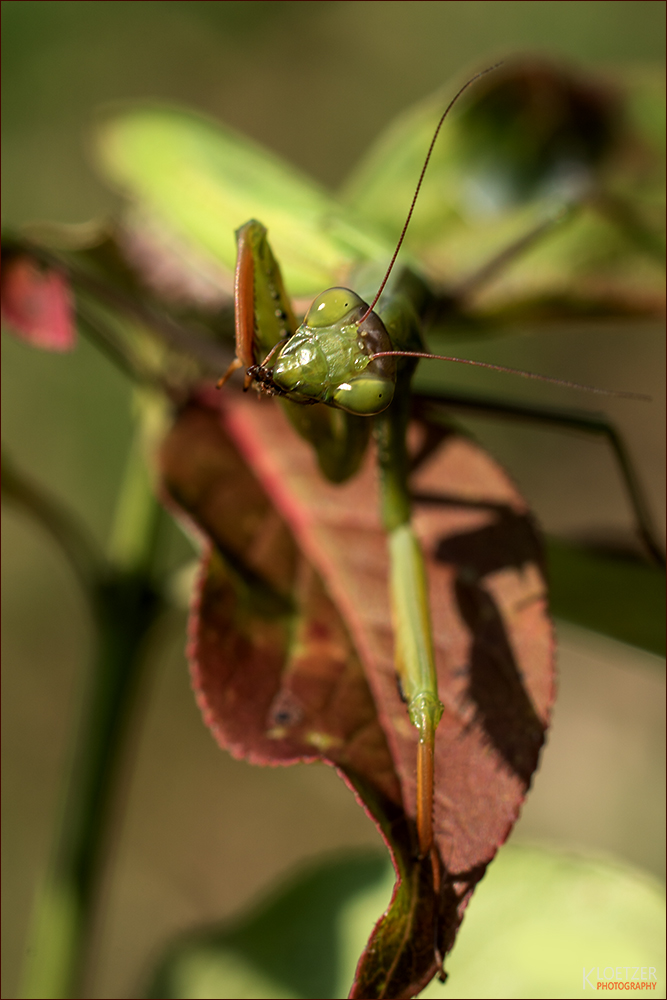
[364, 395]
[332, 307]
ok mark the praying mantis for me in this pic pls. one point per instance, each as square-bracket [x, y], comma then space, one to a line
[352, 363]
[342, 373]
[347, 368]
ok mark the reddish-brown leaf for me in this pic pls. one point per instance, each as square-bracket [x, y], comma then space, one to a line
[275, 671]
[37, 305]
[292, 646]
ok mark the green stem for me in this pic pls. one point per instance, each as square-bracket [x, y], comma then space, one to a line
[88, 564]
[134, 533]
[623, 214]
[125, 605]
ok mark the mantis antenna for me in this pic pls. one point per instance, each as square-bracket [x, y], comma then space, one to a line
[514, 371]
[466, 361]
[449, 107]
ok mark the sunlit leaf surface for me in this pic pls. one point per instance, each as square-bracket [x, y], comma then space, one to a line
[196, 181]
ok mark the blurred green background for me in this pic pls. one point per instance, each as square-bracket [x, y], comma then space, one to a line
[202, 834]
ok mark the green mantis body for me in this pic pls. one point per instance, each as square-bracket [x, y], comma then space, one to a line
[197, 181]
[333, 389]
[341, 356]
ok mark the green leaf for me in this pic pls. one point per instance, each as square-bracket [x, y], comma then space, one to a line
[619, 596]
[540, 916]
[197, 181]
[292, 945]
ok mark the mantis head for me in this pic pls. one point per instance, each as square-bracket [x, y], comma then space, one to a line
[330, 357]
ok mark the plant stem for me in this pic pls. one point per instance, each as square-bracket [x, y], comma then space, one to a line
[125, 604]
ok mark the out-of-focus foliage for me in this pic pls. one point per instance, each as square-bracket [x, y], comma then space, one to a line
[36, 305]
[530, 142]
[621, 597]
[533, 904]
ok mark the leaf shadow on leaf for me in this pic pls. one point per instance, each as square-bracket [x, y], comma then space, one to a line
[495, 685]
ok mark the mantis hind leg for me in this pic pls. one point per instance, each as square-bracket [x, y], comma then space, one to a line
[434, 409]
